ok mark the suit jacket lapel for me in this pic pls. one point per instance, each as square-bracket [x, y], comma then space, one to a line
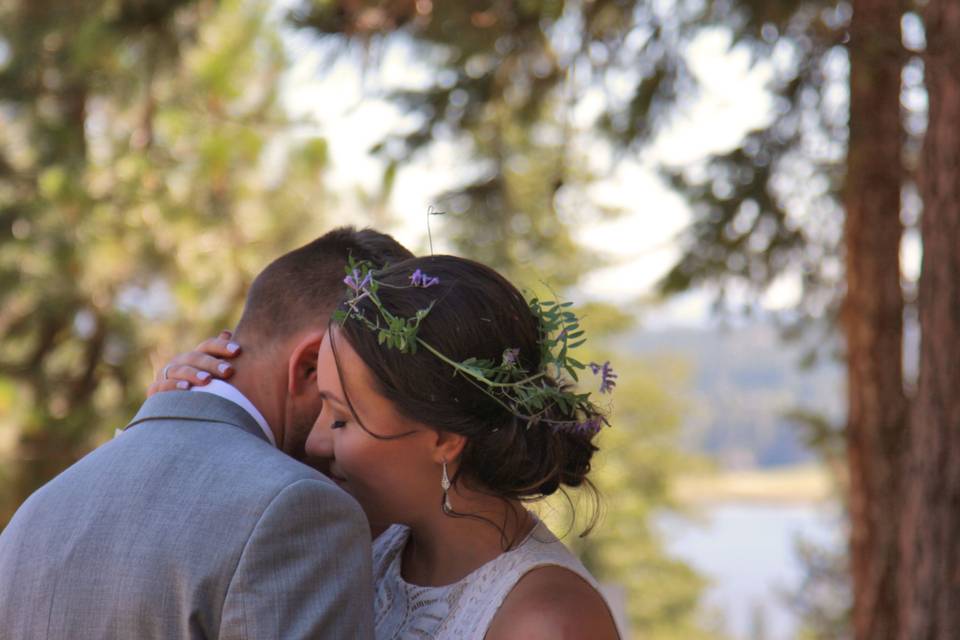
[201, 407]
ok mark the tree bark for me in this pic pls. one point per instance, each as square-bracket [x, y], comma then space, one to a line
[873, 313]
[930, 524]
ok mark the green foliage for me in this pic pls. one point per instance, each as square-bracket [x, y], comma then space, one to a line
[770, 205]
[527, 87]
[563, 333]
[504, 88]
[823, 602]
[133, 207]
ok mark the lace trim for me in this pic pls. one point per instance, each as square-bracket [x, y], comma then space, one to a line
[464, 609]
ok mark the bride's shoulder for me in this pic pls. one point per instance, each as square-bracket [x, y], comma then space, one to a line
[553, 602]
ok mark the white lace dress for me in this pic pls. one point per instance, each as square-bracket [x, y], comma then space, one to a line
[463, 610]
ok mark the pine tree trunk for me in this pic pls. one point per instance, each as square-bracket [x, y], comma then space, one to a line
[930, 525]
[873, 313]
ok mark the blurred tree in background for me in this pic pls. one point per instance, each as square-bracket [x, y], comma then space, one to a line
[500, 88]
[134, 205]
[930, 525]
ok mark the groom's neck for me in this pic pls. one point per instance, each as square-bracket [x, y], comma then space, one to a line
[262, 383]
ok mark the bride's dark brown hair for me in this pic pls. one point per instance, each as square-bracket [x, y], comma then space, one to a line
[477, 313]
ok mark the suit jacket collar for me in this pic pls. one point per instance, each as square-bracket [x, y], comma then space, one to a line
[200, 407]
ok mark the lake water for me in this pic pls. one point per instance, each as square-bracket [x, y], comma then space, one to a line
[748, 553]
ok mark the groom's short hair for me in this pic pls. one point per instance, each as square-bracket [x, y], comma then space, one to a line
[301, 288]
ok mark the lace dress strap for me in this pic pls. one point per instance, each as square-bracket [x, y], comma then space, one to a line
[493, 582]
[465, 609]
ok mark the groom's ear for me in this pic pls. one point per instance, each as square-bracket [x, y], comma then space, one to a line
[302, 366]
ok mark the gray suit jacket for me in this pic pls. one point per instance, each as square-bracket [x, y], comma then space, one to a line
[188, 525]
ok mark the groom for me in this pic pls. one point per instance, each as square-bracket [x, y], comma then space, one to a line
[193, 523]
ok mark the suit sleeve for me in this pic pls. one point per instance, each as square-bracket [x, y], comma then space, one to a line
[305, 570]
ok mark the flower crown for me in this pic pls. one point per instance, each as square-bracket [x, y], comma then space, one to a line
[527, 395]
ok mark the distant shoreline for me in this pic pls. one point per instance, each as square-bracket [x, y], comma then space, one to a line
[806, 484]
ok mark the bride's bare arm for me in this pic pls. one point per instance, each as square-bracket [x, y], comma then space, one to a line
[207, 361]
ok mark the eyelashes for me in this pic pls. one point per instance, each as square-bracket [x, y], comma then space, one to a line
[338, 424]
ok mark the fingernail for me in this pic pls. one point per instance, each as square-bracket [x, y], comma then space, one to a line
[233, 347]
[222, 368]
[203, 375]
[183, 384]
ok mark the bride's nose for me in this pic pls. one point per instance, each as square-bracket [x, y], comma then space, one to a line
[320, 441]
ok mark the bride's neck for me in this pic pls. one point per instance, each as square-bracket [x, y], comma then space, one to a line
[444, 549]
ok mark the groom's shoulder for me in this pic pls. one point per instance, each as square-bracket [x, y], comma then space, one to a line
[196, 440]
[215, 451]
[158, 465]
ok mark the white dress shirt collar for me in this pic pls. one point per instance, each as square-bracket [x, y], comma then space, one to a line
[229, 392]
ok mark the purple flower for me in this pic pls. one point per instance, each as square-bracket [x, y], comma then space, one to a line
[351, 280]
[420, 279]
[355, 283]
[608, 379]
[590, 427]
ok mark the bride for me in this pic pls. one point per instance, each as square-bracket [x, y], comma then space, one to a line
[442, 417]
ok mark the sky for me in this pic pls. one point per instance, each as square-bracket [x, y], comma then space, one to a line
[342, 102]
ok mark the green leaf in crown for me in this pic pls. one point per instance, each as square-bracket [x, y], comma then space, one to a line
[526, 395]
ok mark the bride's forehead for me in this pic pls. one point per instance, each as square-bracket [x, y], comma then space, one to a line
[336, 351]
[341, 371]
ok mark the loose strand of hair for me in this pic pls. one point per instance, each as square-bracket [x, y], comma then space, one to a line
[346, 395]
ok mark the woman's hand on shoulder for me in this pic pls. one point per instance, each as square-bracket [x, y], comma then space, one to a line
[556, 604]
[196, 368]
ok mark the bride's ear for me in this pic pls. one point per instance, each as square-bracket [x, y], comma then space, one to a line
[302, 365]
[447, 446]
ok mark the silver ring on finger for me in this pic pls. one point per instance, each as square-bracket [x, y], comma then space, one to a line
[164, 371]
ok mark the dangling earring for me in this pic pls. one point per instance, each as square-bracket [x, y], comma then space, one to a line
[445, 485]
